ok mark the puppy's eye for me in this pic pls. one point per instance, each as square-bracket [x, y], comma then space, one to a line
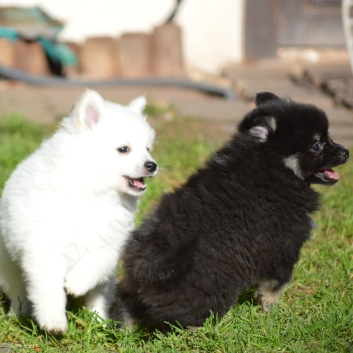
[317, 147]
[148, 149]
[124, 149]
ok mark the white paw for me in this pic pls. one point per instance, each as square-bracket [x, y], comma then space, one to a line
[101, 313]
[55, 326]
[56, 329]
[76, 285]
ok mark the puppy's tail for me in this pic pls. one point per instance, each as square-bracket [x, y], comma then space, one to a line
[170, 265]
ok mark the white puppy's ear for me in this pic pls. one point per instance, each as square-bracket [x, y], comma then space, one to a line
[138, 104]
[89, 109]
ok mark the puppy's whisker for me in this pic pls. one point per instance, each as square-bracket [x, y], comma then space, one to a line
[163, 170]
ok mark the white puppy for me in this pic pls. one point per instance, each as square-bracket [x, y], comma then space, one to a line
[67, 210]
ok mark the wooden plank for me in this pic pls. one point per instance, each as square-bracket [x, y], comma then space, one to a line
[311, 23]
[260, 29]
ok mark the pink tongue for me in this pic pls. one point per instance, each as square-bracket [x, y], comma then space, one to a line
[331, 174]
[138, 183]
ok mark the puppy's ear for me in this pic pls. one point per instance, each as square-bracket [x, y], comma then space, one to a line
[89, 109]
[258, 127]
[265, 97]
[138, 104]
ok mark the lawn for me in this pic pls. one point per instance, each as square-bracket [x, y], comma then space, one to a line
[315, 313]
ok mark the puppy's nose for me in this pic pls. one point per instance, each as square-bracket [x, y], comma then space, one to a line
[151, 166]
[344, 153]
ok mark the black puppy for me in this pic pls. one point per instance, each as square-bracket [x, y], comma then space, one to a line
[239, 221]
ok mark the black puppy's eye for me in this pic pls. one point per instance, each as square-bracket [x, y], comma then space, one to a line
[317, 147]
[124, 149]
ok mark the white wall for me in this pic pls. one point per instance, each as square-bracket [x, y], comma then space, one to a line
[212, 29]
[213, 32]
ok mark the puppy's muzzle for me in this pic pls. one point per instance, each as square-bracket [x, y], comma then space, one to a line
[342, 154]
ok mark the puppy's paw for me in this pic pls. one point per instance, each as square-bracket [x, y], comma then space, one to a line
[266, 306]
[56, 329]
[76, 285]
[55, 325]
[268, 293]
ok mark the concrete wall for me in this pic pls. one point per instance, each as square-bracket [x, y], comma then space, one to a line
[212, 29]
[213, 32]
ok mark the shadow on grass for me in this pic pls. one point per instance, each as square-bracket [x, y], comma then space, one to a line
[4, 302]
[149, 332]
[247, 297]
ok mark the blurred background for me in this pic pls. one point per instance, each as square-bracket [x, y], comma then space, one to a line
[233, 48]
[128, 38]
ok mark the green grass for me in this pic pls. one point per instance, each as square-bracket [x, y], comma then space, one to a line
[18, 138]
[315, 313]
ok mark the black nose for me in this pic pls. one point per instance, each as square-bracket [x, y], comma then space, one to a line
[151, 166]
[345, 153]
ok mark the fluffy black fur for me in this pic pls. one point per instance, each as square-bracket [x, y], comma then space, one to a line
[239, 221]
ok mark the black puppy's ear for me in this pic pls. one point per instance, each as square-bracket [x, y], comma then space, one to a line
[265, 97]
[258, 126]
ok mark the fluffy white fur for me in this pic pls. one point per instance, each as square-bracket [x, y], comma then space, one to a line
[67, 209]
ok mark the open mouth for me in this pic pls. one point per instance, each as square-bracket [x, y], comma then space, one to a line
[137, 184]
[326, 176]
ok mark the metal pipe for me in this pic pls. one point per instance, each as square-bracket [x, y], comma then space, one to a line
[14, 74]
